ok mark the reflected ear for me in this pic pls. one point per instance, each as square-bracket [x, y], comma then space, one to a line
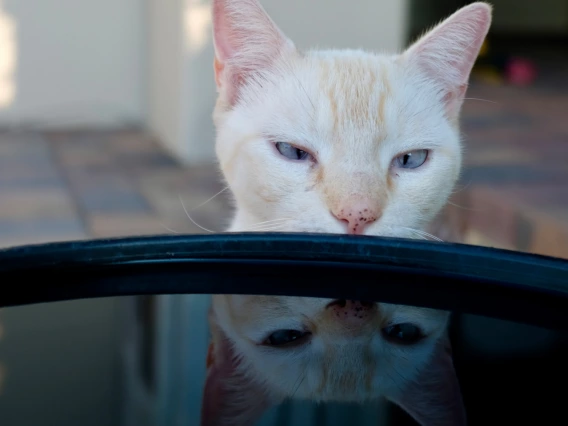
[434, 397]
[231, 397]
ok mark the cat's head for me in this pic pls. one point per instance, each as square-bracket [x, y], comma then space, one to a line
[341, 140]
[336, 142]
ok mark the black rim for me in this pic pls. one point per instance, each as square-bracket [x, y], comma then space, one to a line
[469, 279]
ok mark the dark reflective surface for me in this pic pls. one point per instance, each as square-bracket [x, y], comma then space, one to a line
[142, 361]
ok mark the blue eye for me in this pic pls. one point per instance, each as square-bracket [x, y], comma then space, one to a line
[412, 159]
[291, 152]
[285, 337]
[404, 333]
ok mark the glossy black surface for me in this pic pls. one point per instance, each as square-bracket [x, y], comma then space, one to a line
[507, 375]
[461, 278]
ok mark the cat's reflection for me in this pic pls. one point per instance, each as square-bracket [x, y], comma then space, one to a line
[268, 348]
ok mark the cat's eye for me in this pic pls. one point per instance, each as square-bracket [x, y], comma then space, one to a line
[285, 337]
[291, 152]
[404, 333]
[412, 159]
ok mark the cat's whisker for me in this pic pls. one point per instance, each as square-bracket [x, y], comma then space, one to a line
[422, 234]
[270, 221]
[195, 208]
[267, 228]
[481, 100]
[425, 234]
[209, 199]
[412, 231]
[396, 383]
[463, 207]
[168, 229]
[303, 88]
[271, 229]
[193, 221]
[299, 381]
[416, 114]
[463, 188]
[269, 225]
[430, 236]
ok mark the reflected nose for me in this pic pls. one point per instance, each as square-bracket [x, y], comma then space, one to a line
[357, 213]
[352, 312]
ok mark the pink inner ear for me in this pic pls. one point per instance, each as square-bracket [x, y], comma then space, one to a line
[448, 52]
[246, 41]
[434, 397]
[230, 397]
[222, 31]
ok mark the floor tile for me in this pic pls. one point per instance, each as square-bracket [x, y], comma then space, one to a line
[35, 205]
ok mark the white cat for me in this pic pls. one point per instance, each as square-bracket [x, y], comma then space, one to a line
[335, 141]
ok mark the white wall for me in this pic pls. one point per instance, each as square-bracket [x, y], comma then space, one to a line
[164, 62]
[67, 63]
[77, 62]
[183, 88]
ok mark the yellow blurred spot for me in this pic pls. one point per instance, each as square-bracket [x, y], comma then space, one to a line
[484, 49]
[489, 75]
[197, 23]
[8, 56]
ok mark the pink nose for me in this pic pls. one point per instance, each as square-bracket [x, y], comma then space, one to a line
[357, 213]
[352, 311]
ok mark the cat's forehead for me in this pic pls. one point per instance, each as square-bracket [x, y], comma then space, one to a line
[354, 88]
[343, 98]
[353, 82]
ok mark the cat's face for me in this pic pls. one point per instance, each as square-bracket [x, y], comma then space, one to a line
[326, 350]
[335, 142]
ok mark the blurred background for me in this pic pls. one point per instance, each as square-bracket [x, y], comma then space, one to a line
[106, 130]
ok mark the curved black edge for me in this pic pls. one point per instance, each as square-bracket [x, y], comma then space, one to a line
[478, 280]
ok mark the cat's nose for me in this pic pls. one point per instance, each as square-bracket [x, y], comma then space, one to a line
[352, 312]
[357, 213]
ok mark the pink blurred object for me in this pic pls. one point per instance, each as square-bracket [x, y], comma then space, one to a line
[520, 72]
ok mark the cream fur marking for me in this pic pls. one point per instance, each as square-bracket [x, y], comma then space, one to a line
[335, 141]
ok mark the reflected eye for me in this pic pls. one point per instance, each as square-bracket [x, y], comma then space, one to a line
[291, 152]
[284, 337]
[412, 159]
[405, 333]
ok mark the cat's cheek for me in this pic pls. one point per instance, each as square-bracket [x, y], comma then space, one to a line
[227, 381]
[434, 396]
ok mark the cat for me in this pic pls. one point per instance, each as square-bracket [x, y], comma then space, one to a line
[344, 142]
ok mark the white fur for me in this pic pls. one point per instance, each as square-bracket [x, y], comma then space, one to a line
[299, 372]
[356, 112]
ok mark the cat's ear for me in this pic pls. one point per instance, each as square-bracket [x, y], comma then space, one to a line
[434, 398]
[246, 42]
[447, 53]
[230, 397]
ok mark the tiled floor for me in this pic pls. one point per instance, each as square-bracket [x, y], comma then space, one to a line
[63, 186]
[516, 174]
[71, 185]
